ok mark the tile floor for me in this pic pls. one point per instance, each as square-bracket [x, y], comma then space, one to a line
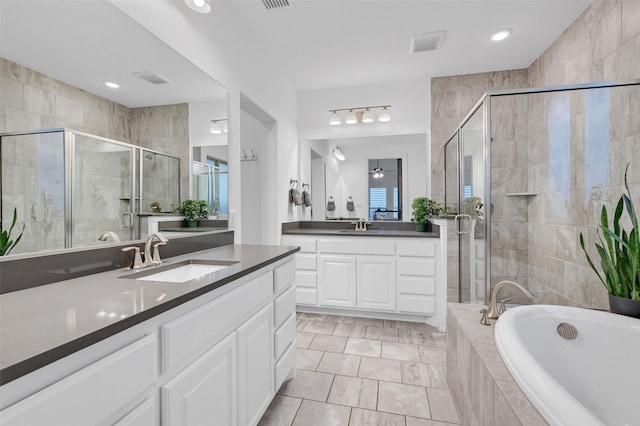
[365, 372]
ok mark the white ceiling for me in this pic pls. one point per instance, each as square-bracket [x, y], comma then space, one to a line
[317, 44]
[336, 43]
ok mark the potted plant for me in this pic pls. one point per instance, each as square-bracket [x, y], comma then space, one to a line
[473, 207]
[193, 211]
[423, 210]
[6, 244]
[619, 253]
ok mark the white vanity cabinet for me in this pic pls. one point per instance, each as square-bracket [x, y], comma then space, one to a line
[390, 277]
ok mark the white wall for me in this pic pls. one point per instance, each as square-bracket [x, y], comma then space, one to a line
[230, 56]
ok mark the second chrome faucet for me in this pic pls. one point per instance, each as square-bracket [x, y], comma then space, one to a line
[150, 258]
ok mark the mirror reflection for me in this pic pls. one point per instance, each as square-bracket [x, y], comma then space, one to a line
[56, 80]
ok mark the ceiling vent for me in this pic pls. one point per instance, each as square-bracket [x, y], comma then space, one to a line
[426, 42]
[152, 77]
[275, 4]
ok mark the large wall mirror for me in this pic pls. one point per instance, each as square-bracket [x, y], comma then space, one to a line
[373, 177]
[55, 60]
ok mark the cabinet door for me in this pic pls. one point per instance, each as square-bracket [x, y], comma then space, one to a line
[205, 392]
[377, 283]
[337, 281]
[143, 415]
[255, 366]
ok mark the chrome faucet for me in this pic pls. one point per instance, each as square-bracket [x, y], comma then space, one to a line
[493, 312]
[153, 259]
[109, 234]
[361, 224]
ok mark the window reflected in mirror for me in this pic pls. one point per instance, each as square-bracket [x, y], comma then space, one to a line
[210, 180]
[385, 189]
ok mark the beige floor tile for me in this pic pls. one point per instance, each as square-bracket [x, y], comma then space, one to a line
[354, 392]
[421, 338]
[380, 369]
[404, 325]
[404, 336]
[431, 375]
[313, 413]
[303, 340]
[413, 421]
[281, 411]
[311, 316]
[381, 333]
[328, 343]
[336, 363]
[319, 327]
[374, 418]
[363, 347]
[369, 321]
[308, 385]
[421, 326]
[300, 323]
[400, 351]
[433, 355]
[307, 359]
[350, 330]
[439, 339]
[341, 319]
[402, 399]
[442, 407]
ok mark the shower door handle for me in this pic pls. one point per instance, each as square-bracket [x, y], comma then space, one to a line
[127, 220]
[459, 222]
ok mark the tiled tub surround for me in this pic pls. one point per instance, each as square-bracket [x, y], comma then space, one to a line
[360, 371]
[481, 386]
[46, 323]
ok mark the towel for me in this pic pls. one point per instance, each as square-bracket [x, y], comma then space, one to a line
[294, 197]
[350, 205]
[306, 199]
[331, 204]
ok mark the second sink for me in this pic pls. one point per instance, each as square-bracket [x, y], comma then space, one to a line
[181, 272]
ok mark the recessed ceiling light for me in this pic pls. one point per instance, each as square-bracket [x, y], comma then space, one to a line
[111, 84]
[501, 34]
[200, 6]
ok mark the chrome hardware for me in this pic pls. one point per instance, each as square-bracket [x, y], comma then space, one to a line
[149, 259]
[484, 320]
[493, 312]
[156, 253]
[127, 220]
[136, 263]
[459, 220]
[361, 224]
[567, 331]
[109, 234]
[502, 308]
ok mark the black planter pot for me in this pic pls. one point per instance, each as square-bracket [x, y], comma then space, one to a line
[622, 306]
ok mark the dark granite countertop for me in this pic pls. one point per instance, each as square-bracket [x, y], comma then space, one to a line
[34, 324]
[346, 229]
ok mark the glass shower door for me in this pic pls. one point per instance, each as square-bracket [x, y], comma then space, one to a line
[101, 190]
[472, 167]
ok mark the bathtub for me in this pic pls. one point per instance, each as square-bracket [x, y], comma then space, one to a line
[591, 380]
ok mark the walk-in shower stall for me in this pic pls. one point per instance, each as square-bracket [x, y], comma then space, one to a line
[530, 170]
[70, 188]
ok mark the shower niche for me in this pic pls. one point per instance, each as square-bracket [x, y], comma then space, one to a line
[70, 188]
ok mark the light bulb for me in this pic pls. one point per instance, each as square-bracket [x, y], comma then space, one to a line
[367, 116]
[200, 6]
[111, 84]
[384, 116]
[198, 3]
[215, 128]
[334, 119]
[351, 118]
[501, 35]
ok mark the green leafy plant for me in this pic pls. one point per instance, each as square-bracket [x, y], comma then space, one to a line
[424, 209]
[193, 209]
[6, 244]
[619, 251]
[473, 206]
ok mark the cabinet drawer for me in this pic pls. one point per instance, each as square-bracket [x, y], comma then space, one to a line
[416, 304]
[203, 326]
[368, 245]
[285, 335]
[284, 306]
[306, 296]
[283, 276]
[416, 247]
[306, 245]
[87, 397]
[143, 415]
[306, 279]
[416, 266]
[417, 285]
[306, 261]
[284, 366]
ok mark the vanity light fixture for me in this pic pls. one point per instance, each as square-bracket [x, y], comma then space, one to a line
[111, 84]
[218, 129]
[200, 6]
[360, 115]
[337, 152]
[501, 34]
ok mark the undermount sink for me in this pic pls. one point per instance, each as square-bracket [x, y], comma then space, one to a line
[182, 271]
[353, 231]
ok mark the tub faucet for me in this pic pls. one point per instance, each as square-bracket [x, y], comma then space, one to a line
[153, 259]
[109, 234]
[493, 312]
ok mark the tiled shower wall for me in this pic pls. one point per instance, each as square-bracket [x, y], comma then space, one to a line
[603, 43]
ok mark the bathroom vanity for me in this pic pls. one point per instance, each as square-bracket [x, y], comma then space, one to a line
[116, 348]
[387, 271]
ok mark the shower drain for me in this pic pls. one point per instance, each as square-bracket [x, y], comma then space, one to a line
[567, 331]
